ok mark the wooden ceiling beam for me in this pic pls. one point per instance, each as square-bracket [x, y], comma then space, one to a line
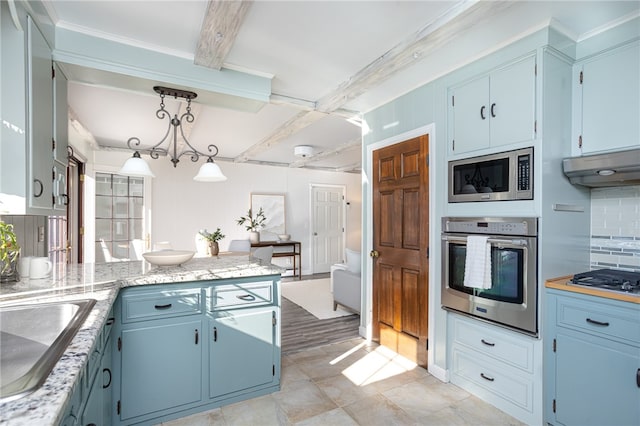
[288, 128]
[434, 35]
[219, 30]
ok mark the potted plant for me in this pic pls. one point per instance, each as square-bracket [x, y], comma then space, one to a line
[212, 239]
[253, 224]
[9, 253]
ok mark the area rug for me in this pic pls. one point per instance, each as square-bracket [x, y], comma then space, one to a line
[314, 296]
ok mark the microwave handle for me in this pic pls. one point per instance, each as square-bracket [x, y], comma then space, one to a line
[515, 242]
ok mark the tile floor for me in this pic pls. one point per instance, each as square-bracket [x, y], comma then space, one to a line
[354, 383]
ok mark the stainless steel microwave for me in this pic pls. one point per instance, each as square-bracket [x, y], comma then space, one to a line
[495, 177]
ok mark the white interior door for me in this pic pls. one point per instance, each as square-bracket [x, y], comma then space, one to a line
[328, 234]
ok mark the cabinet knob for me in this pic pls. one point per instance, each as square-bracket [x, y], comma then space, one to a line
[493, 110]
[482, 108]
[638, 377]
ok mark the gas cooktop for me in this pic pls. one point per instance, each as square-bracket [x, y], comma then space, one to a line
[609, 279]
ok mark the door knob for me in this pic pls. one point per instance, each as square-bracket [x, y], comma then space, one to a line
[374, 253]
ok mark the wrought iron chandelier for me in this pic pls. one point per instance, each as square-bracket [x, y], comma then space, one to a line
[136, 166]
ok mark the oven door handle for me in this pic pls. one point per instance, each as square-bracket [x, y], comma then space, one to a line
[514, 242]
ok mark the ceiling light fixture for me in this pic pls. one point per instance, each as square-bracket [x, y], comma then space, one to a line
[303, 151]
[136, 166]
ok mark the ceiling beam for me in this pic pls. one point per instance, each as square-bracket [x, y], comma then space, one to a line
[288, 128]
[434, 35]
[219, 30]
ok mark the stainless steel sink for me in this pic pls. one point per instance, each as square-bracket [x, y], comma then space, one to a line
[32, 339]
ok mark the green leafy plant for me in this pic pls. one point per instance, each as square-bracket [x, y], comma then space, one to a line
[252, 223]
[9, 248]
[212, 237]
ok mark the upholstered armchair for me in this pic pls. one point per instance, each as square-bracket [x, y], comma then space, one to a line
[346, 283]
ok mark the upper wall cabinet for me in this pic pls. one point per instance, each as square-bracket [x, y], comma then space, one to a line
[60, 116]
[607, 101]
[33, 98]
[40, 122]
[494, 109]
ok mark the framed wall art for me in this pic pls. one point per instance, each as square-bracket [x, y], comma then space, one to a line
[273, 207]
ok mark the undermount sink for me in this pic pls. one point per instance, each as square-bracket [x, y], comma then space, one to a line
[32, 340]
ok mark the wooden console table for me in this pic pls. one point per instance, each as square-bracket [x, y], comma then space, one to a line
[294, 250]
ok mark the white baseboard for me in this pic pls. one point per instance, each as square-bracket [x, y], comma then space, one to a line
[439, 373]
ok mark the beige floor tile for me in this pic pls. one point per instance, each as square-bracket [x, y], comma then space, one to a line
[476, 411]
[419, 398]
[343, 391]
[291, 373]
[337, 417]
[263, 411]
[303, 399]
[377, 410]
[208, 418]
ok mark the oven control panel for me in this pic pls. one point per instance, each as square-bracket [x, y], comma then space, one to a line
[491, 226]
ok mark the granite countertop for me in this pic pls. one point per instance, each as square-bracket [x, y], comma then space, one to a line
[100, 281]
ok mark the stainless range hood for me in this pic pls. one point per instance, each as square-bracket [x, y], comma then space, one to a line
[603, 170]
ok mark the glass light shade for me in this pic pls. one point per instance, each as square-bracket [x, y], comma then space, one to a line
[210, 172]
[136, 166]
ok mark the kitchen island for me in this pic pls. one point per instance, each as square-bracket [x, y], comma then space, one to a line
[49, 404]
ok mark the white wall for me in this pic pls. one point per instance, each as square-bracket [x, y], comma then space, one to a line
[180, 206]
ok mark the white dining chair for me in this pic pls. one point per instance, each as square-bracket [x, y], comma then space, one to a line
[136, 247]
[107, 253]
[240, 245]
[264, 253]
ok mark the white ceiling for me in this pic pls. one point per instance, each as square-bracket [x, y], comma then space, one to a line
[315, 51]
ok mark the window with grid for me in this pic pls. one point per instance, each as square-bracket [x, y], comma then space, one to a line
[119, 216]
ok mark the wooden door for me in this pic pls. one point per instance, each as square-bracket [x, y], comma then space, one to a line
[400, 247]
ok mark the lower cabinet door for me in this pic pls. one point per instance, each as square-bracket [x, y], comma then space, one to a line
[242, 350]
[161, 367]
[596, 382]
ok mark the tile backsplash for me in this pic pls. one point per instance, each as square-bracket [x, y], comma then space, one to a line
[615, 228]
[27, 229]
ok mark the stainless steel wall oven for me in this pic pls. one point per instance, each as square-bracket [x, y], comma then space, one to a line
[512, 298]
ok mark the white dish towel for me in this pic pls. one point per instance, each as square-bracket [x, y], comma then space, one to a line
[477, 267]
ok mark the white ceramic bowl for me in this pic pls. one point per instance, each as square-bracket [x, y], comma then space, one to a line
[284, 237]
[168, 257]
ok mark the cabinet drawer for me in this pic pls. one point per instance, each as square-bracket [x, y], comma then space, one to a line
[600, 318]
[495, 377]
[165, 304]
[241, 295]
[513, 350]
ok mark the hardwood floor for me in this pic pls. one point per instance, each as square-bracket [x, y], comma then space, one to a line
[301, 330]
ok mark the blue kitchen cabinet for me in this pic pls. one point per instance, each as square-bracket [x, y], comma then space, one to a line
[97, 410]
[90, 403]
[158, 352]
[176, 354]
[592, 360]
[161, 367]
[242, 352]
[494, 109]
[606, 101]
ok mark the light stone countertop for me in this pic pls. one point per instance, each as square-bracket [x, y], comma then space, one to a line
[100, 281]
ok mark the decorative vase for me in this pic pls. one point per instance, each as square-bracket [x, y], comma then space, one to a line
[254, 237]
[9, 273]
[214, 249]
